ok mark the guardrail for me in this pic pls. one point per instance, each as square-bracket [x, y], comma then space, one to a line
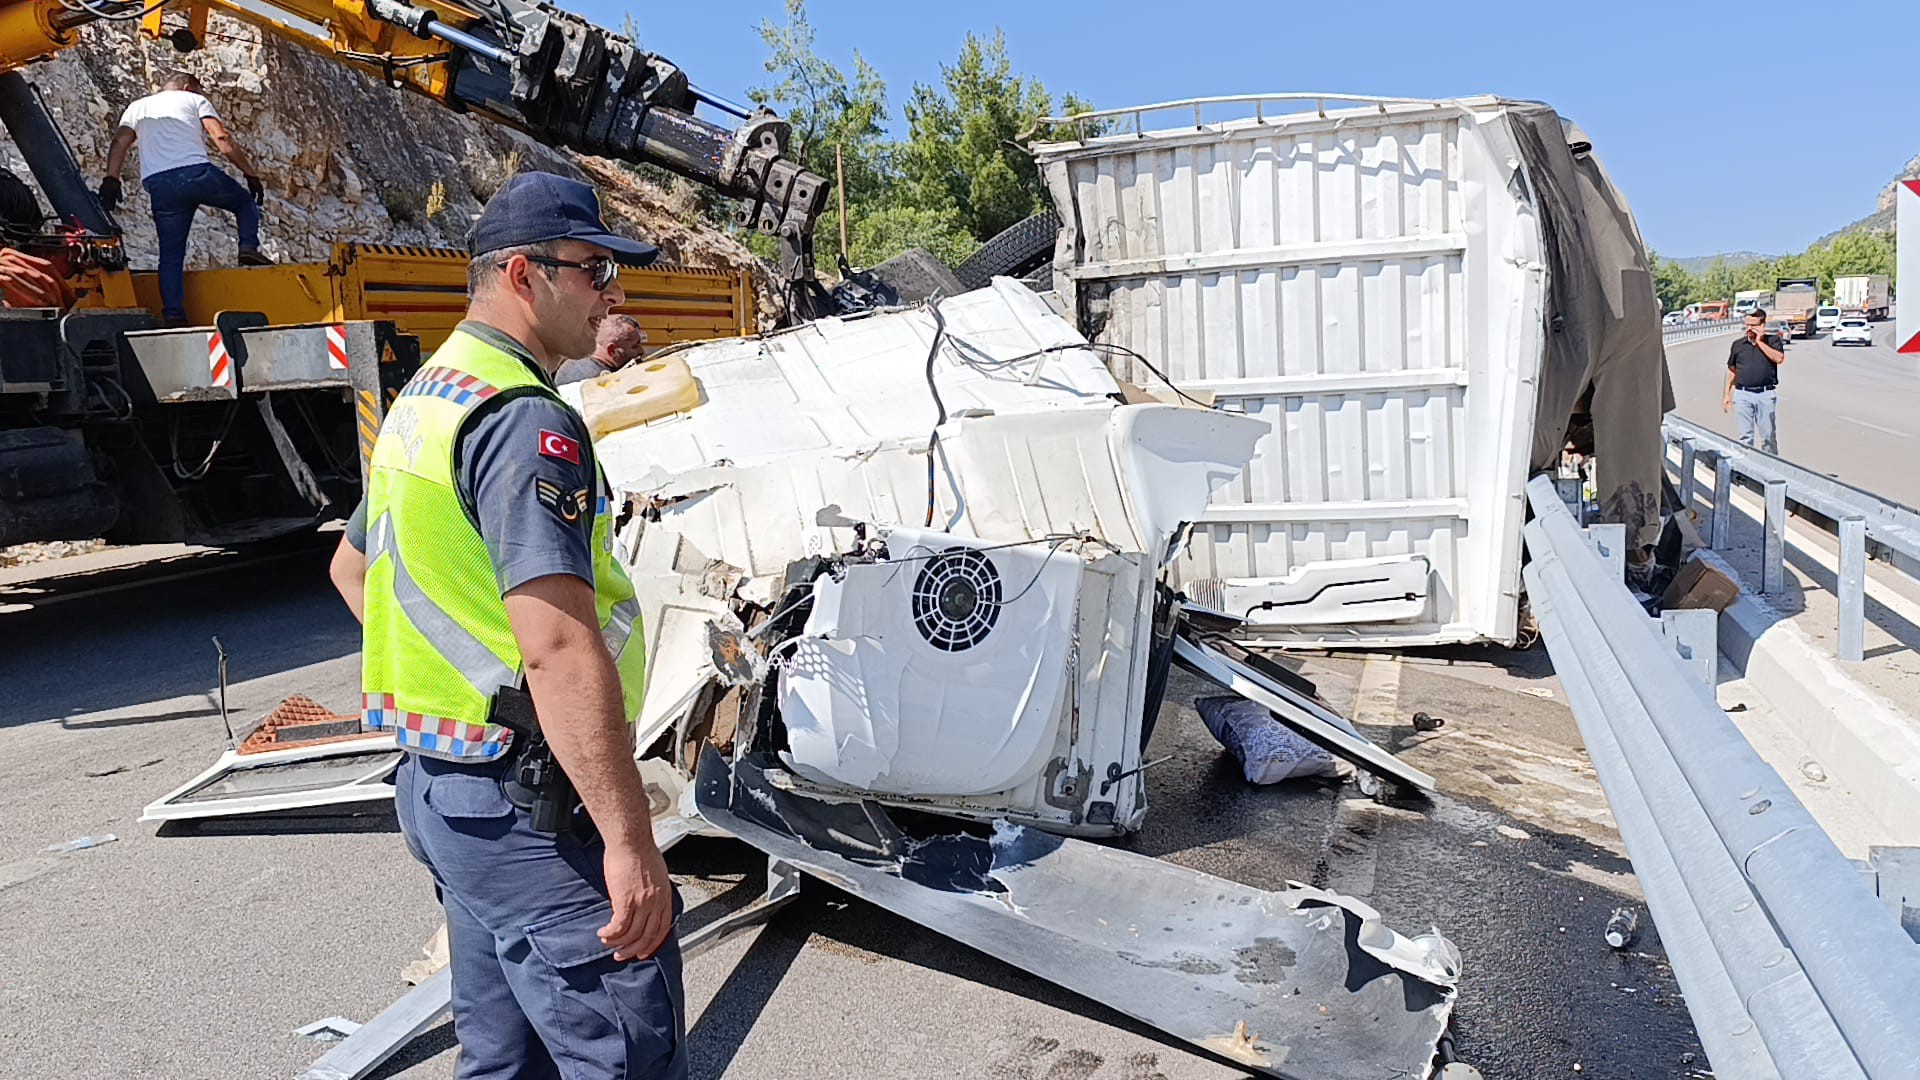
[1866, 524]
[1791, 967]
[1704, 328]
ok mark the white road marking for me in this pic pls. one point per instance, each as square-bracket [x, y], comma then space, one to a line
[1876, 427]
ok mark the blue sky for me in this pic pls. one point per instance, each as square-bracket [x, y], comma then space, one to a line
[1758, 126]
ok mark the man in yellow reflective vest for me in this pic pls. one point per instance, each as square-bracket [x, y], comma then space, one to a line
[481, 566]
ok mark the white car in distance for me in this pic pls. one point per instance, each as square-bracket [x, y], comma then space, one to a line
[1853, 330]
[1825, 318]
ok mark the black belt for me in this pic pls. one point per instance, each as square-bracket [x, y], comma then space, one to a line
[1757, 389]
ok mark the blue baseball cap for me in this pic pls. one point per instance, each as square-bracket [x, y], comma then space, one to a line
[537, 207]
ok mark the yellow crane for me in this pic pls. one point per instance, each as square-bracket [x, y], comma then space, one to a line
[246, 424]
[531, 66]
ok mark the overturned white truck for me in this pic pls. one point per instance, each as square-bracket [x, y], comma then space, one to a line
[911, 582]
[1424, 301]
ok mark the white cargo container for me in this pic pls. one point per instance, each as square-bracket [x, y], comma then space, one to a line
[1865, 294]
[1373, 282]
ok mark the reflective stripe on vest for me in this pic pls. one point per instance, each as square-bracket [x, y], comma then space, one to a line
[464, 651]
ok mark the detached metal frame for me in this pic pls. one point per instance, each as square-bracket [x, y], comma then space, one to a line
[367, 784]
[1792, 967]
[1859, 517]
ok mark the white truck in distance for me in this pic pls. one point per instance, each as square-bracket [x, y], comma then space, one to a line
[1864, 294]
[1748, 299]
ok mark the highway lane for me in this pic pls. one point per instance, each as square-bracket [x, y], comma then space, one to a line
[1848, 411]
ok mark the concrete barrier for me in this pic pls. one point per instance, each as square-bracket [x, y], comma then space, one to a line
[1863, 740]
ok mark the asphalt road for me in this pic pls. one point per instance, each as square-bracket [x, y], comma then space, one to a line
[1845, 410]
[196, 952]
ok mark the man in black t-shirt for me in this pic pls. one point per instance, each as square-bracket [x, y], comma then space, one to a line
[1753, 380]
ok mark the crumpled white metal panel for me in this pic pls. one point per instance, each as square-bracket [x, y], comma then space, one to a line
[848, 384]
[1369, 284]
[936, 672]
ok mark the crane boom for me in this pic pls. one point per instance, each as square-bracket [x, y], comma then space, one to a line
[527, 64]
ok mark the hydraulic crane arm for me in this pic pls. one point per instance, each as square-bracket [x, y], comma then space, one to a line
[530, 65]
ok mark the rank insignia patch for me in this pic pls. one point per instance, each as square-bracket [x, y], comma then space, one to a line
[568, 505]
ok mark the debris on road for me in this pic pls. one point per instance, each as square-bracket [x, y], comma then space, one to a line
[1623, 927]
[332, 1029]
[83, 843]
[293, 758]
[1298, 983]
[434, 956]
[1425, 722]
[47, 551]
[1297, 703]
[1268, 751]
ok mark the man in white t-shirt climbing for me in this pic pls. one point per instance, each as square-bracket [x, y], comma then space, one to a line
[172, 127]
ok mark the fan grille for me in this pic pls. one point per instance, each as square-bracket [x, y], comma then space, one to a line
[956, 599]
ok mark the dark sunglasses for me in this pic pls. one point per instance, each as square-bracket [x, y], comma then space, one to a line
[601, 268]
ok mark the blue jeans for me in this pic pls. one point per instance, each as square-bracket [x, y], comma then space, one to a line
[1754, 412]
[177, 195]
[536, 996]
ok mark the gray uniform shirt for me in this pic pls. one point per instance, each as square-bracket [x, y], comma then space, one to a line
[578, 370]
[523, 468]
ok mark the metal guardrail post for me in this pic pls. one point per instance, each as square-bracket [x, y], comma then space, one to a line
[1853, 589]
[1722, 532]
[1773, 568]
[1609, 541]
[1686, 473]
[1694, 634]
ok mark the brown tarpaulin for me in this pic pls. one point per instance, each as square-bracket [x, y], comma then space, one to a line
[1603, 324]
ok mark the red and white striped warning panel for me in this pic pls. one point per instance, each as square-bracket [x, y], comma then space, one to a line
[337, 348]
[219, 364]
[1906, 199]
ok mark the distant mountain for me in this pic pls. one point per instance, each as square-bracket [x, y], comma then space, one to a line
[1696, 264]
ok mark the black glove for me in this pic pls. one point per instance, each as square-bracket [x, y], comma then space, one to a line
[110, 192]
[258, 190]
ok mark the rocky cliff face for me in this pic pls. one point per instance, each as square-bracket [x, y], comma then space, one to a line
[1911, 172]
[343, 157]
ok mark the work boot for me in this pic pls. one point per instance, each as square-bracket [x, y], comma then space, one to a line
[253, 257]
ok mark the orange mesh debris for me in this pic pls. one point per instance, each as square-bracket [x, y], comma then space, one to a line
[300, 720]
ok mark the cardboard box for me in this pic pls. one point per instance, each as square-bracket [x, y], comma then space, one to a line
[1699, 585]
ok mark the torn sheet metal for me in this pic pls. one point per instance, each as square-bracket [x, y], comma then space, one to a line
[811, 453]
[1302, 712]
[1301, 983]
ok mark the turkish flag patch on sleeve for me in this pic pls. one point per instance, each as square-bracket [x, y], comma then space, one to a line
[555, 445]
